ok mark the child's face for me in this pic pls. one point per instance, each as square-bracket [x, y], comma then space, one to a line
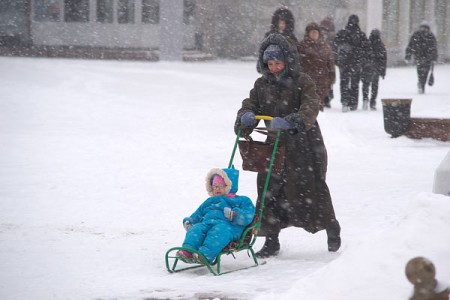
[276, 66]
[218, 189]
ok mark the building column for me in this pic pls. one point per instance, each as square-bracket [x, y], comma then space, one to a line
[374, 15]
[445, 56]
[206, 25]
[404, 31]
[171, 30]
[92, 12]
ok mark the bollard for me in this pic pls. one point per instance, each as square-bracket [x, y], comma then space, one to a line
[421, 273]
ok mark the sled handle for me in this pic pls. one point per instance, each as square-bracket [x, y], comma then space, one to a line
[267, 118]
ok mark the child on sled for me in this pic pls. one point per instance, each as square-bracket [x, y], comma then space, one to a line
[219, 220]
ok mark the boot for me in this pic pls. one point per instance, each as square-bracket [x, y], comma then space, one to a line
[271, 247]
[421, 88]
[334, 236]
[365, 105]
[344, 108]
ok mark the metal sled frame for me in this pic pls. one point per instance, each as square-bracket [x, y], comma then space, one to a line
[248, 237]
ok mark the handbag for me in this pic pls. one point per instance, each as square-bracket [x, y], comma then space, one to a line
[256, 156]
[431, 79]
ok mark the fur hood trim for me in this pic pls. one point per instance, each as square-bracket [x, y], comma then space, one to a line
[223, 174]
[292, 69]
[283, 13]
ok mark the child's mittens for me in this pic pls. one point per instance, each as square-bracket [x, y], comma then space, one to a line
[229, 213]
[187, 225]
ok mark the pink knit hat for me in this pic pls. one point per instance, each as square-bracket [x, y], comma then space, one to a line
[218, 180]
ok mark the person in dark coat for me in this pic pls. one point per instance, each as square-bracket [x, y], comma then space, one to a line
[374, 67]
[299, 196]
[283, 22]
[352, 48]
[423, 46]
[316, 60]
[328, 31]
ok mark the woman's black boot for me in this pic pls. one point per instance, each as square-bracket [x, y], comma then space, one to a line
[271, 247]
[334, 236]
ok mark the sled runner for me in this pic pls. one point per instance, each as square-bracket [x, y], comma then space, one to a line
[252, 161]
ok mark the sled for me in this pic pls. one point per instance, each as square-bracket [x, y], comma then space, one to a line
[248, 237]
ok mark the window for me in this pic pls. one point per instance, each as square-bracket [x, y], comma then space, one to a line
[391, 21]
[76, 10]
[46, 10]
[188, 12]
[105, 11]
[150, 11]
[125, 11]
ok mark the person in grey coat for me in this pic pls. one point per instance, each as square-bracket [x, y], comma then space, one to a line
[298, 196]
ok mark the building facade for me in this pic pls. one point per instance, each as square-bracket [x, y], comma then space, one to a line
[219, 28]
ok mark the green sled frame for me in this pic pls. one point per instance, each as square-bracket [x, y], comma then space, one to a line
[245, 243]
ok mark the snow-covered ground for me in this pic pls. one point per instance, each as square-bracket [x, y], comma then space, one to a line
[101, 160]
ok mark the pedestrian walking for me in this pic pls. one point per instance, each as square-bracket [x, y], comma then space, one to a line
[298, 196]
[423, 47]
[316, 60]
[373, 69]
[352, 49]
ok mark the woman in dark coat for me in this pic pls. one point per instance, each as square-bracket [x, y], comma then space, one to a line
[299, 196]
[423, 47]
[283, 22]
[374, 67]
[316, 60]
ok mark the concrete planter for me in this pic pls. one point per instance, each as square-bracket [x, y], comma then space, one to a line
[396, 113]
[398, 121]
[438, 129]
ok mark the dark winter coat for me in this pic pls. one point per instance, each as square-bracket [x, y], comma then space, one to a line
[299, 196]
[287, 16]
[352, 45]
[422, 45]
[316, 60]
[375, 64]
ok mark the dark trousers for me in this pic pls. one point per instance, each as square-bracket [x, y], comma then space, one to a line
[370, 82]
[350, 77]
[329, 97]
[423, 68]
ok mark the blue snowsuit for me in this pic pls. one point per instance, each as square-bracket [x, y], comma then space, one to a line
[211, 231]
